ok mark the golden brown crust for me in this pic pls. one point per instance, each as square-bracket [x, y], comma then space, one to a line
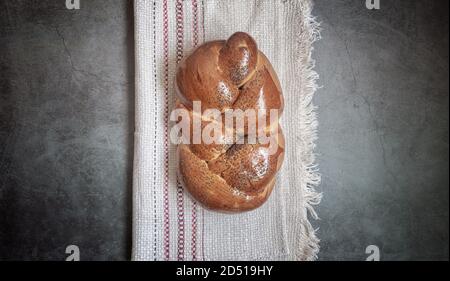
[232, 74]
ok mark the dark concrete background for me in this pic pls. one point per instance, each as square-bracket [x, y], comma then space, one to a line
[66, 129]
[384, 120]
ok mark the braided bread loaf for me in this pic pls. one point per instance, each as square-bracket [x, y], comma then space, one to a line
[228, 175]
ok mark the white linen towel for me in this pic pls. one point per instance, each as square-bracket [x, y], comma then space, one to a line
[167, 223]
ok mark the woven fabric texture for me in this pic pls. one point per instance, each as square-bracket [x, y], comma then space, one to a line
[167, 223]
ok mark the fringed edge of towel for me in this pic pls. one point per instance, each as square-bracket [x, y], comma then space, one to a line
[309, 32]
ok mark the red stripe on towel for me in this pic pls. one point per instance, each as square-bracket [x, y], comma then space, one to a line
[166, 132]
[155, 138]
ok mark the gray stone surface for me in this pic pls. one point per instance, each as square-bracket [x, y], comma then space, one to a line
[384, 119]
[66, 129]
